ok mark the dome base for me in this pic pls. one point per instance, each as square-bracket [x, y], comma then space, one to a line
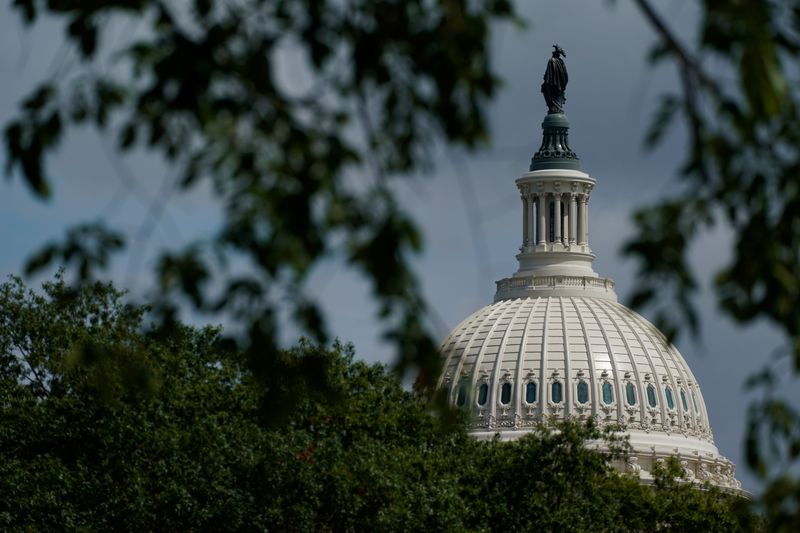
[700, 460]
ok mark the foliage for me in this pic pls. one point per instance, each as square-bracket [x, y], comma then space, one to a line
[739, 102]
[79, 451]
[200, 84]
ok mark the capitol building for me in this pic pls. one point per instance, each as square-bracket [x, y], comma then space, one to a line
[556, 344]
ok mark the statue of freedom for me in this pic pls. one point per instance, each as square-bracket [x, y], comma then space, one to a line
[555, 81]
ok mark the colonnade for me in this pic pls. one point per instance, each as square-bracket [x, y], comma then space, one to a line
[554, 217]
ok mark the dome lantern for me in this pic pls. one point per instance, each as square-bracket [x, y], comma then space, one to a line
[555, 256]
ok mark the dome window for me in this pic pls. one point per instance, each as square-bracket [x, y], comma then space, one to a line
[483, 394]
[583, 392]
[630, 393]
[608, 393]
[530, 392]
[651, 395]
[683, 401]
[694, 402]
[557, 392]
[461, 399]
[505, 394]
[670, 399]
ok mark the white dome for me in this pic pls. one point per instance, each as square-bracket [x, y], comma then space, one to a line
[556, 344]
[572, 340]
[520, 361]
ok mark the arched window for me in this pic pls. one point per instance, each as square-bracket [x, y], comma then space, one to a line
[505, 394]
[557, 392]
[670, 400]
[583, 392]
[461, 399]
[608, 393]
[683, 400]
[651, 395]
[630, 393]
[694, 402]
[530, 392]
[483, 394]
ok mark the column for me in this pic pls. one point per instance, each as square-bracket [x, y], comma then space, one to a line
[581, 219]
[565, 229]
[557, 217]
[525, 234]
[542, 208]
[531, 220]
[573, 219]
[586, 223]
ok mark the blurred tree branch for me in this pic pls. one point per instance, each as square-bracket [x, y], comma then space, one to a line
[200, 85]
[741, 169]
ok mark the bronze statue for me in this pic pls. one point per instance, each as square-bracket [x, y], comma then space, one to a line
[555, 81]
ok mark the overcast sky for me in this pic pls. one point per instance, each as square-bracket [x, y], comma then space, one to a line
[468, 208]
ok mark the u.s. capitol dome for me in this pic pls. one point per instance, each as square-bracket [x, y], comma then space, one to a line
[556, 344]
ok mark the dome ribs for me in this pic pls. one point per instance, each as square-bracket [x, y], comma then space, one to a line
[521, 354]
[498, 371]
[593, 375]
[689, 381]
[545, 394]
[616, 371]
[667, 356]
[638, 379]
[654, 372]
[569, 400]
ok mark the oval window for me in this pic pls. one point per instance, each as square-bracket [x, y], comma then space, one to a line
[630, 394]
[505, 394]
[608, 393]
[461, 399]
[483, 394]
[651, 395]
[530, 392]
[583, 392]
[670, 400]
[557, 391]
[683, 401]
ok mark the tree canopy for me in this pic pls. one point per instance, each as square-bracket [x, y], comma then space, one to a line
[193, 450]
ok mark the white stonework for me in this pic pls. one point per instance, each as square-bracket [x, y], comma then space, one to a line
[556, 344]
